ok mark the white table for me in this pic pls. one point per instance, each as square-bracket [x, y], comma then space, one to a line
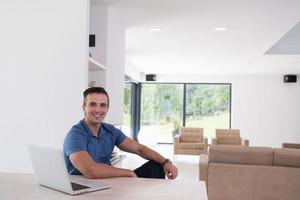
[15, 186]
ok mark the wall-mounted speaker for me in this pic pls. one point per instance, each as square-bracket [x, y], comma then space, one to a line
[290, 78]
[92, 40]
[150, 77]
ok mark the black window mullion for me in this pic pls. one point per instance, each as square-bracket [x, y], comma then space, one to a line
[184, 105]
[136, 111]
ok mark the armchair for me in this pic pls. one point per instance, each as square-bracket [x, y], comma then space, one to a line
[190, 141]
[229, 137]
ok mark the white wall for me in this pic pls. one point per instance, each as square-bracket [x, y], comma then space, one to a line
[133, 73]
[109, 51]
[115, 67]
[265, 109]
[98, 26]
[43, 71]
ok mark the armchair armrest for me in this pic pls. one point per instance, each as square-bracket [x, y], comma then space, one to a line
[176, 141]
[205, 141]
[203, 168]
[214, 141]
[244, 142]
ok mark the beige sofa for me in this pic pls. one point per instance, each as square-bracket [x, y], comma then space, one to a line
[251, 173]
[190, 141]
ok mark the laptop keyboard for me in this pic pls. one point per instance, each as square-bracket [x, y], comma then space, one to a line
[76, 186]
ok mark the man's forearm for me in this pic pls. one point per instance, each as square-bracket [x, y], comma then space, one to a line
[150, 154]
[99, 170]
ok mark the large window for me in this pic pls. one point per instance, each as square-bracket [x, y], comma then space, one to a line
[207, 106]
[161, 109]
[127, 108]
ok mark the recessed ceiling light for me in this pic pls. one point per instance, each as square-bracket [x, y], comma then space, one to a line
[220, 29]
[155, 30]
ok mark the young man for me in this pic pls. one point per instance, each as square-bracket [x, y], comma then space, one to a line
[90, 143]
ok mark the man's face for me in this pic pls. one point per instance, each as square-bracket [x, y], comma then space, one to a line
[95, 108]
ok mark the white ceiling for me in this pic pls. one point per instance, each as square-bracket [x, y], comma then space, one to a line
[188, 43]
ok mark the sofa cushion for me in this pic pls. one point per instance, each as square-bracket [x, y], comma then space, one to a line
[243, 155]
[191, 135]
[229, 139]
[221, 132]
[191, 145]
[287, 157]
[291, 145]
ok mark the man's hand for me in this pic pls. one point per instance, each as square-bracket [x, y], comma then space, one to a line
[170, 170]
[131, 174]
[132, 146]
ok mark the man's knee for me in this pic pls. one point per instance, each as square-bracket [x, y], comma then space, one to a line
[151, 169]
[155, 165]
[157, 169]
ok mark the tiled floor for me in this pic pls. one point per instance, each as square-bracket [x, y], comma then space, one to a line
[188, 166]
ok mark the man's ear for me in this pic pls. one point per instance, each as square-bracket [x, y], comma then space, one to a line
[83, 107]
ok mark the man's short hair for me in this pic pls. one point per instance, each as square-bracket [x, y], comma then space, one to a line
[97, 90]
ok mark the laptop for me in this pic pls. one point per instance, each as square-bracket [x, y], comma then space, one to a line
[51, 171]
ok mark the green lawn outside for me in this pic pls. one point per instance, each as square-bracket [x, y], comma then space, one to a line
[208, 123]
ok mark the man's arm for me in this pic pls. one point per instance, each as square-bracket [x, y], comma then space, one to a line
[90, 169]
[132, 146]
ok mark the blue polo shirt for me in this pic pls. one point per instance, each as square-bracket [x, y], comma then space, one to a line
[81, 138]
